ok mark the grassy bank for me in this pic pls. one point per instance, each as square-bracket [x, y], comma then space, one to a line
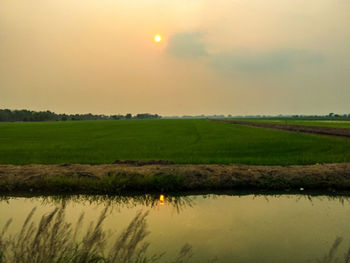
[121, 179]
[180, 141]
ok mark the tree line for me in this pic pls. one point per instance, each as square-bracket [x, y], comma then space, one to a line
[7, 115]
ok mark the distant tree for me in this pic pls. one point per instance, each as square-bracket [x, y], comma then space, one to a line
[147, 116]
[117, 117]
[26, 115]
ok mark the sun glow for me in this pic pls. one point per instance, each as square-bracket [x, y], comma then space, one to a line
[157, 38]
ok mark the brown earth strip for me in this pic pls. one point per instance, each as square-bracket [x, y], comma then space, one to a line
[318, 130]
[109, 178]
[142, 162]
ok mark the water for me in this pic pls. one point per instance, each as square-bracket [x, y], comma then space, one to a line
[247, 228]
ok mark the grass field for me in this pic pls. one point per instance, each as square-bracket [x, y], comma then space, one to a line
[181, 141]
[326, 123]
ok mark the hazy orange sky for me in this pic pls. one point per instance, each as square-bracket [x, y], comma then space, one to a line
[217, 57]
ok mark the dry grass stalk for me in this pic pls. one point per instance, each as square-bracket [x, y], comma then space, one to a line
[53, 240]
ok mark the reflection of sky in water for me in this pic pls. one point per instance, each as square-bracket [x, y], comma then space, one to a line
[287, 228]
[240, 57]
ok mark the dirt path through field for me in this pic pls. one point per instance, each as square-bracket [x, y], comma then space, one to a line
[318, 130]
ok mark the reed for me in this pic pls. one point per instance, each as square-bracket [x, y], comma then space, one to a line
[331, 256]
[54, 240]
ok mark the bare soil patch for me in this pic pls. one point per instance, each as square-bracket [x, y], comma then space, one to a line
[318, 130]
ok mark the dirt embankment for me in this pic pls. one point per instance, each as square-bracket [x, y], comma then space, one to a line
[319, 130]
[118, 178]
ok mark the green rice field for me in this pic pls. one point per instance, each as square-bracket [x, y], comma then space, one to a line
[180, 141]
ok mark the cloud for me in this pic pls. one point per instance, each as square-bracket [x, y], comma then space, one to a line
[268, 61]
[187, 45]
[190, 45]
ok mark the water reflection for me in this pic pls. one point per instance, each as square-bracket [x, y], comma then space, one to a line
[178, 202]
[161, 200]
[242, 228]
[52, 239]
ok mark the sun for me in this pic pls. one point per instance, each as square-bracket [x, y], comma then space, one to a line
[157, 38]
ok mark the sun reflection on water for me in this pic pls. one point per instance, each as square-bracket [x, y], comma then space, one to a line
[161, 199]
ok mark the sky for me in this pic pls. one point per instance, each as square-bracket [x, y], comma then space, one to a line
[234, 57]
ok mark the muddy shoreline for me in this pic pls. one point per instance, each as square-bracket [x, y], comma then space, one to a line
[122, 178]
[317, 130]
